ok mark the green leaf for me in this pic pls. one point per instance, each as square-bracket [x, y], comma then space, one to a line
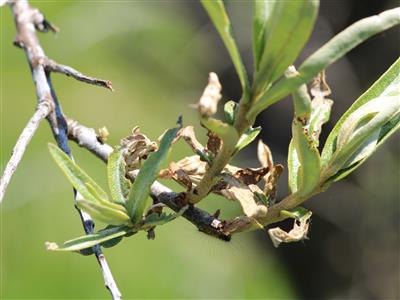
[247, 137]
[334, 49]
[85, 185]
[388, 85]
[140, 190]
[220, 19]
[116, 215]
[88, 241]
[299, 213]
[262, 12]
[304, 165]
[287, 27]
[358, 135]
[224, 131]
[302, 103]
[230, 110]
[117, 182]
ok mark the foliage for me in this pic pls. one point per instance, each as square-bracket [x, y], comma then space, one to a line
[362, 129]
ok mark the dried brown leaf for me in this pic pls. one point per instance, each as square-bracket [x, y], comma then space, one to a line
[214, 143]
[187, 133]
[298, 233]
[264, 155]
[251, 176]
[212, 94]
[271, 181]
[137, 147]
[237, 190]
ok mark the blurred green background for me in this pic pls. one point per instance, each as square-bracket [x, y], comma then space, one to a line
[158, 55]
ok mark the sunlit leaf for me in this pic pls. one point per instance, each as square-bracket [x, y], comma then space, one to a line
[224, 131]
[247, 137]
[140, 190]
[117, 182]
[358, 135]
[262, 11]
[216, 11]
[334, 49]
[116, 215]
[287, 27]
[304, 165]
[386, 87]
[90, 240]
[85, 185]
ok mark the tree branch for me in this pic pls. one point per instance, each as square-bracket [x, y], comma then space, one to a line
[27, 21]
[87, 138]
[42, 111]
[52, 66]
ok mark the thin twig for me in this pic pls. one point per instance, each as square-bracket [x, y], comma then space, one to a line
[42, 110]
[52, 66]
[87, 138]
[27, 21]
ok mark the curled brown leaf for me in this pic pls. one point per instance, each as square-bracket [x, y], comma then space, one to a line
[137, 147]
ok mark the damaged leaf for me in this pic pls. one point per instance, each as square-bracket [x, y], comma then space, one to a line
[298, 233]
[208, 102]
[245, 195]
[137, 148]
[264, 155]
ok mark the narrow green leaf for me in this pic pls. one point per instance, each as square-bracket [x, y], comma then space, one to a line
[287, 27]
[302, 103]
[307, 175]
[358, 135]
[334, 49]
[140, 190]
[88, 241]
[247, 137]
[224, 131]
[117, 182]
[110, 215]
[262, 12]
[85, 185]
[299, 213]
[386, 85]
[219, 17]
